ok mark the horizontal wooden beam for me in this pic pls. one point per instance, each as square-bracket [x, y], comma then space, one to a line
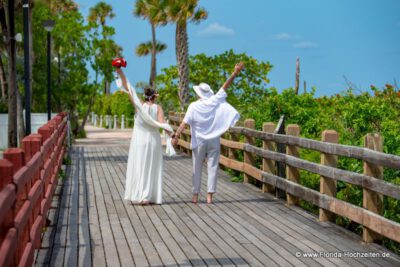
[231, 163]
[375, 157]
[375, 222]
[185, 131]
[184, 144]
[232, 144]
[365, 181]
[241, 167]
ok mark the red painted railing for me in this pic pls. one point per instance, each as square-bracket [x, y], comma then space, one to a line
[28, 179]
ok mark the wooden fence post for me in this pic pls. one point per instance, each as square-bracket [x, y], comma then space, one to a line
[327, 185]
[101, 121]
[372, 201]
[268, 165]
[231, 151]
[248, 157]
[293, 174]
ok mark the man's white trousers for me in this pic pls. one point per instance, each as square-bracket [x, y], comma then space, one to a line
[209, 149]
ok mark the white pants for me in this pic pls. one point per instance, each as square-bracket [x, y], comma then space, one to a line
[209, 149]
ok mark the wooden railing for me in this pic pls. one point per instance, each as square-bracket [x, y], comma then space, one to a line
[374, 187]
[28, 181]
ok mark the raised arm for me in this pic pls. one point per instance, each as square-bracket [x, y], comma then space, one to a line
[123, 79]
[125, 85]
[238, 68]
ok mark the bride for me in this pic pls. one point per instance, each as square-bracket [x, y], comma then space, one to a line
[145, 161]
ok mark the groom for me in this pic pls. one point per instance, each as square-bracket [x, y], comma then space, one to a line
[209, 117]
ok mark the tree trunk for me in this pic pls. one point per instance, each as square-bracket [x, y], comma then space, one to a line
[3, 82]
[183, 62]
[59, 69]
[106, 87]
[20, 118]
[153, 58]
[4, 30]
[82, 127]
[12, 77]
[297, 82]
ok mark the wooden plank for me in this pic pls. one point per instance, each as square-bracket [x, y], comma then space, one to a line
[60, 237]
[379, 158]
[108, 242]
[272, 219]
[71, 245]
[268, 250]
[371, 200]
[379, 224]
[184, 144]
[327, 185]
[268, 165]
[248, 157]
[143, 251]
[365, 181]
[231, 144]
[115, 230]
[252, 171]
[232, 164]
[249, 195]
[84, 233]
[292, 173]
[341, 244]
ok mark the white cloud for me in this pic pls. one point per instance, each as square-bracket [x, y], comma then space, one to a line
[284, 36]
[305, 44]
[216, 29]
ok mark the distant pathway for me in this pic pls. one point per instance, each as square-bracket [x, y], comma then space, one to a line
[93, 226]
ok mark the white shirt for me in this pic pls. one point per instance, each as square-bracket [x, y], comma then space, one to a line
[210, 118]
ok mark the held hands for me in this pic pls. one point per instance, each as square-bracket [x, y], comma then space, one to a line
[174, 141]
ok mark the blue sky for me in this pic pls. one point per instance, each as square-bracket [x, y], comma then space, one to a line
[358, 39]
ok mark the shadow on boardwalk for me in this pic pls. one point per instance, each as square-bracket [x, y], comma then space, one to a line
[93, 226]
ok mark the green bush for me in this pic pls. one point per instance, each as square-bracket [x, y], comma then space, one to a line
[116, 104]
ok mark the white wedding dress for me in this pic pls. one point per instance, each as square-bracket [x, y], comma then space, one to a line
[145, 161]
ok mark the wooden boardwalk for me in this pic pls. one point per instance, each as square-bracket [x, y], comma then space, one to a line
[93, 226]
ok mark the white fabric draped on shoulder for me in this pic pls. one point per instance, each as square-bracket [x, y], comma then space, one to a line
[170, 151]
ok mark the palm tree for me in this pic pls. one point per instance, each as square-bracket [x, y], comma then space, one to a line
[145, 49]
[154, 12]
[180, 12]
[99, 14]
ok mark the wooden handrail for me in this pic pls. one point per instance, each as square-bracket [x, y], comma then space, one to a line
[372, 156]
[370, 219]
[365, 181]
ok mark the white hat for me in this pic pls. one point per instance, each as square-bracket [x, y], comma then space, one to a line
[203, 90]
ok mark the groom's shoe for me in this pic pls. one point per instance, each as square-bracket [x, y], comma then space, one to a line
[195, 198]
[209, 198]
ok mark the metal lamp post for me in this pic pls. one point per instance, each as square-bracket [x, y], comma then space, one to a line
[48, 25]
[27, 70]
